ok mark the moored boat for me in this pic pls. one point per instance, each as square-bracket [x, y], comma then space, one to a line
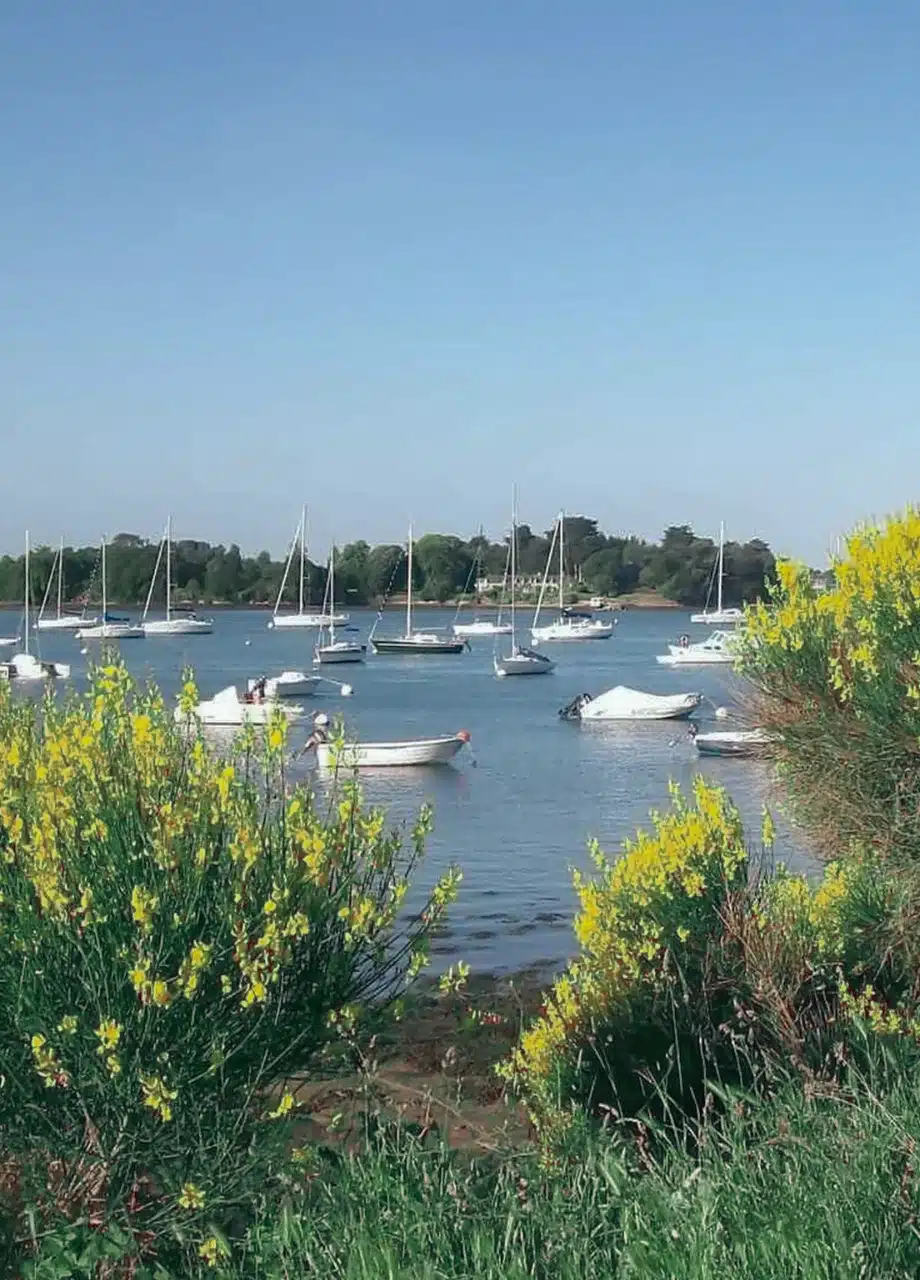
[411, 642]
[27, 665]
[109, 628]
[572, 624]
[60, 621]
[335, 652]
[384, 755]
[228, 709]
[289, 684]
[715, 650]
[719, 616]
[174, 624]
[518, 661]
[622, 703]
[730, 742]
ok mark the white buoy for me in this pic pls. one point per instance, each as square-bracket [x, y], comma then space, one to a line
[247, 642]
[84, 651]
[721, 713]
[347, 690]
[270, 625]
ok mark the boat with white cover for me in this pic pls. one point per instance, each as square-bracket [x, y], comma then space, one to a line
[290, 684]
[482, 627]
[730, 742]
[715, 650]
[109, 628]
[230, 710]
[60, 621]
[428, 642]
[303, 617]
[719, 616]
[384, 755]
[572, 624]
[335, 652]
[622, 703]
[518, 661]
[27, 665]
[174, 624]
[8, 642]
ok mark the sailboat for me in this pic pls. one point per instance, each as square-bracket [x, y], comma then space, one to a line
[335, 651]
[481, 626]
[26, 665]
[571, 624]
[300, 618]
[414, 641]
[185, 624]
[110, 628]
[718, 617]
[518, 661]
[60, 621]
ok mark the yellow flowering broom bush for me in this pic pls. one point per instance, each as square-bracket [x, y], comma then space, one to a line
[837, 675]
[178, 932]
[645, 931]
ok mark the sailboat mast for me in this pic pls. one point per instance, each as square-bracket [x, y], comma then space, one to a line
[105, 601]
[561, 559]
[409, 589]
[303, 554]
[60, 577]
[332, 595]
[721, 564]
[513, 560]
[28, 593]
[168, 568]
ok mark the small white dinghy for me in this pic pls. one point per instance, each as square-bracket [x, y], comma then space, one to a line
[25, 666]
[228, 709]
[8, 642]
[382, 755]
[621, 703]
[730, 742]
[290, 684]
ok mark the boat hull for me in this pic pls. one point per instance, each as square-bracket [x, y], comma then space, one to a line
[563, 632]
[111, 631]
[388, 755]
[334, 654]
[290, 684]
[64, 623]
[473, 629]
[403, 644]
[694, 660]
[750, 742]
[293, 621]
[228, 710]
[25, 666]
[727, 618]
[523, 663]
[178, 627]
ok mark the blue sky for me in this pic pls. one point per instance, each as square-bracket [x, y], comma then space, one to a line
[653, 262]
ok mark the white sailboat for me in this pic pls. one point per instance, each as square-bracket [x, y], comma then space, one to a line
[27, 665]
[302, 618]
[518, 661]
[481, 626]
[715, 650]
[335, 651]
[61, 621]
[719, 616]
[183, 624]
[109, 628]
[414, 641]
[571, 624]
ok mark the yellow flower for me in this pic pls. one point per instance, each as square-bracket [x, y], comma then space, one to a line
[161, 994]
[768, 829]
[114, 1066]
[68, 1025]
[138, 976]
[284, 1106]
[192, 1196]
[157, 1096]
[211, 1250]
[108, 1033]
[143, 905]
[270, 906]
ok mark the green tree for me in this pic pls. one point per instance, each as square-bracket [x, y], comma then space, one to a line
[444, 565]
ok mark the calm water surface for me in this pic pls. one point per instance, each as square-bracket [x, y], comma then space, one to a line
[517, 812]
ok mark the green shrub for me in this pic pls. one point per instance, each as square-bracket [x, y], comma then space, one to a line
[178, 933]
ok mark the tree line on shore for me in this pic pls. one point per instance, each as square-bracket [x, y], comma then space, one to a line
[679, 567]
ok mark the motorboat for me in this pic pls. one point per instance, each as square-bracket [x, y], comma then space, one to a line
[522, 662]
[290, 684]
[174, 624]
[622, 703]
[335, 651]
[716, 649]
[572, 624]
[730, 742]
[384, 755]
[428, 642]
[482, 627]
[109, 628]
[303, 618]
[59, 621]
[518, 661]
[229, 709]
[719, 616]
[27, 665]
[8, 642]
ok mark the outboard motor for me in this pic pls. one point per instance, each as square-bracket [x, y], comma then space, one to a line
[573, 709]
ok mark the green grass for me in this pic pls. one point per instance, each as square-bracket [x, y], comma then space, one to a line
[799, 1187]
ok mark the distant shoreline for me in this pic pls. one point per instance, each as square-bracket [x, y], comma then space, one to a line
[620, 604]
